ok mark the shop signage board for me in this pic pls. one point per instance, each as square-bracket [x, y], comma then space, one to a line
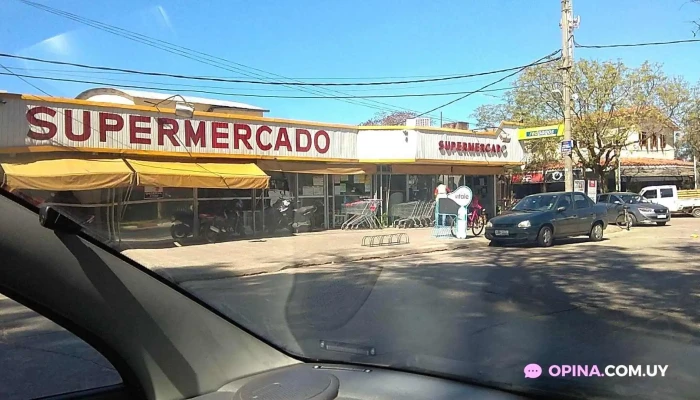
[541, 132]
[44, 123]
[580, 186]
[152, 192]
[465, 147]
[593, 190]
[462, 196]
[567, 147]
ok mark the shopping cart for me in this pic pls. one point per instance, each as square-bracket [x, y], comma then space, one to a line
[427, 214]
[405, 214]
[361, 213]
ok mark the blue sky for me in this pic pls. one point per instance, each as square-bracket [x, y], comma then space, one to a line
[307, 39]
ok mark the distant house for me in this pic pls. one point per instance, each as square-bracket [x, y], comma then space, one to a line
[647, 158]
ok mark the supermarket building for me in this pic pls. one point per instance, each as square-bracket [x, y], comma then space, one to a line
[136, 157]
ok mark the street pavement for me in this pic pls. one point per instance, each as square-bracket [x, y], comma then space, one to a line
[471, 310]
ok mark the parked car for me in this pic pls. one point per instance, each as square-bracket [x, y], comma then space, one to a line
[678, 201]
[541, 218]
[642, 211]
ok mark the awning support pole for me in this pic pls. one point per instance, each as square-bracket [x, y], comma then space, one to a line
[195, 209]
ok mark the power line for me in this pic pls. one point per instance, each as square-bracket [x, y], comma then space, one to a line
[23, 80]
[608, 46]
[107, 76]
[310, 78]
[258, 82]
[271, 96]
[198, 56]
[483, 88]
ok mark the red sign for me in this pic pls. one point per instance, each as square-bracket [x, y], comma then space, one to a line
[163, 131]
[471, 147]
[533, 177]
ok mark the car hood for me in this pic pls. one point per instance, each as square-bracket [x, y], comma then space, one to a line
[514, 217]
[654, 206]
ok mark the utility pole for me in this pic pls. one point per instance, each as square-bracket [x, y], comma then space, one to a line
[695, 171]
[567, 25]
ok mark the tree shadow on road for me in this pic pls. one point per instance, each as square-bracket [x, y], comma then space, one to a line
[485, 313]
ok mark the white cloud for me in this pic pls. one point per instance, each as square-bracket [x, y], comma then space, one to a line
[165, 18]
[59, 44]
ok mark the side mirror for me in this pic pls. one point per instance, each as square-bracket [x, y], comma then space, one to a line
[561, 209]
[618, 202]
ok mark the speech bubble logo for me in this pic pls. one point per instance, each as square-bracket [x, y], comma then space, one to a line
[462, 196]
[533, 371]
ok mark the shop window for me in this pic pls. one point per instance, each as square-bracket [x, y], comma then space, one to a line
[662, 139]
[421, 187]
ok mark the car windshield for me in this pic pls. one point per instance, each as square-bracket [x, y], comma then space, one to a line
[633, 199]
[540, 202]
[311, 170]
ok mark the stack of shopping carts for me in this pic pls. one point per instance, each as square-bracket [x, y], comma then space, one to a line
[414, 214]
[361, 214]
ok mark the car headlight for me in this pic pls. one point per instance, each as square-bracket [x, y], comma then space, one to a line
[489, 224]
[646, 210]
[524, 224]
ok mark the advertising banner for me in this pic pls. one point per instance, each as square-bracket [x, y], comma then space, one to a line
[541, 132]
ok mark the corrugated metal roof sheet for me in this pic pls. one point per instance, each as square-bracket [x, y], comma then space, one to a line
[162, 96]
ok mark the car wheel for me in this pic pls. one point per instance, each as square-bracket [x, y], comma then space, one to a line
[661, 223]
[696, 212]
[495, 243]
[596, 234]
[546, 237]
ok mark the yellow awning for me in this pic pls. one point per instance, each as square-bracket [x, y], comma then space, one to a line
[199, 175]
[317, 168]
[67, 174]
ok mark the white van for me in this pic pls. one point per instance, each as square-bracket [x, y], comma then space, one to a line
[677, 201]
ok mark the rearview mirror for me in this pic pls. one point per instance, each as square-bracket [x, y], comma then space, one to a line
[561, 209]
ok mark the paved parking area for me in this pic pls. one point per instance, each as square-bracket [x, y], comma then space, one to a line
[254, 256]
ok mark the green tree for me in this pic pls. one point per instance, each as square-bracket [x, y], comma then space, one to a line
[609, 101]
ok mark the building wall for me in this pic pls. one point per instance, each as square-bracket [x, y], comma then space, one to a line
[650, 145]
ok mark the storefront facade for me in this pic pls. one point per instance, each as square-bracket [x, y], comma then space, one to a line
[137, 165]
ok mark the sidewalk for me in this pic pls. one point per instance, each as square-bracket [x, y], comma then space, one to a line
[248, 257]
[255, 256]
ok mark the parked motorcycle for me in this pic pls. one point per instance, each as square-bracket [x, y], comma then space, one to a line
[279, 216]
[227, 226]
[182, 221]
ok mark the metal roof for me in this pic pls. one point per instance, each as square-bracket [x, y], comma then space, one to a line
[162, 96]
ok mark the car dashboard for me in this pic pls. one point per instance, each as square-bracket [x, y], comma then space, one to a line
[342, 382]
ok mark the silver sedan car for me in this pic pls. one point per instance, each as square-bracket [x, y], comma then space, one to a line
[642, 210]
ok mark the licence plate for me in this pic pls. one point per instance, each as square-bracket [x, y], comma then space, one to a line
[500, 233]
[660, 216]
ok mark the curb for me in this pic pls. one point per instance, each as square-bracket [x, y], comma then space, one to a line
[325, 260]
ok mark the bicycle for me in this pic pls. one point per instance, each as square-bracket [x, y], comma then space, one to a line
[476, 221]
[625, 219]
